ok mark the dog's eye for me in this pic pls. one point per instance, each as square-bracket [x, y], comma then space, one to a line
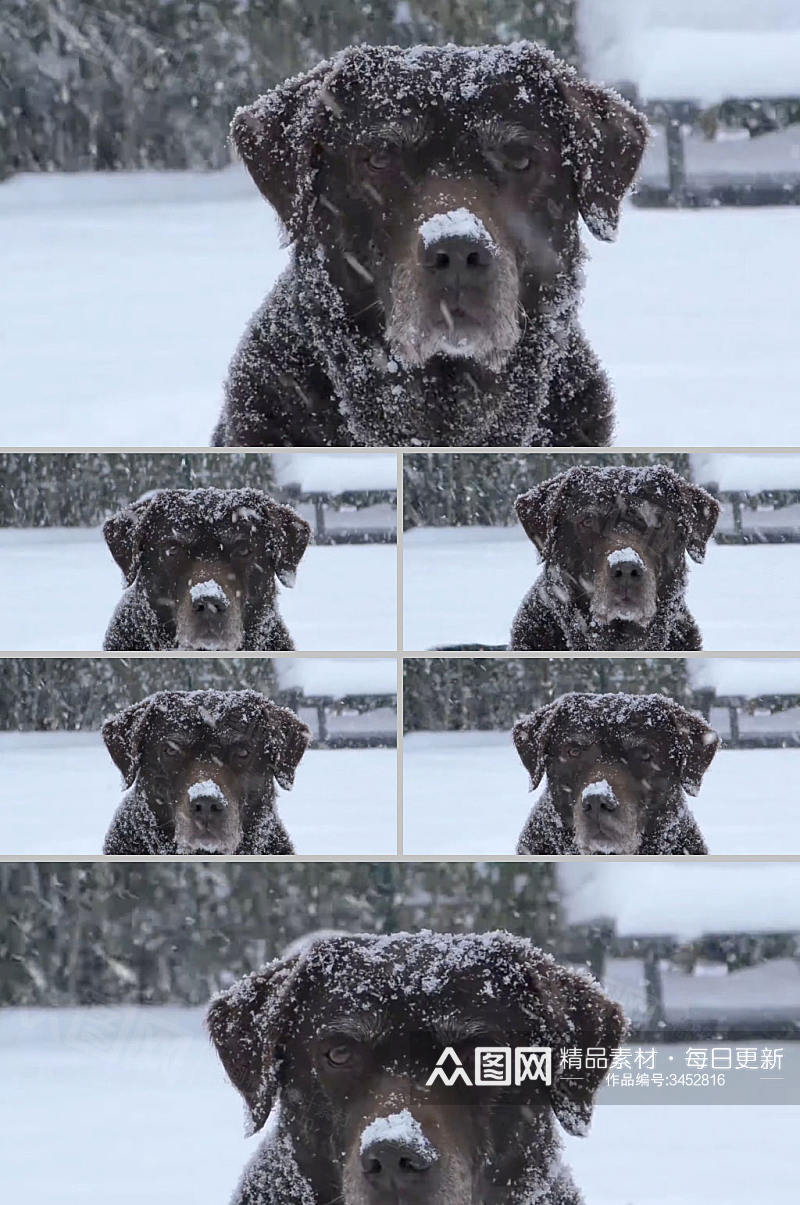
[643, 754]
[171, 748]
[585, 521]
[339, 1056]
[517, 159]
[574, 751]
[172, 550]
[379, 159]
[240, 753]
[242, 550]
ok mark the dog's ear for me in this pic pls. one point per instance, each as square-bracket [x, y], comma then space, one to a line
[121, 534]
[247, 1024]
[289, 537]
[123, 738]
[538, 509]
[577, 1016]
[276, 137]
[287, 739]
[530, 740]
[605, 142]
[700, 513]
[698, 744]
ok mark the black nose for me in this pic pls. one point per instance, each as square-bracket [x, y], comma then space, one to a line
[206, 807]
[395, 1165]
[457, 259]
[211, 602]
[629, 570]
[596, 802]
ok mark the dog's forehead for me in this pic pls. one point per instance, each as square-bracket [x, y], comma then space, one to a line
[402, 84]
[437, 975]
[614, 715]
[207, 507]
[624, 490]
[208, 711]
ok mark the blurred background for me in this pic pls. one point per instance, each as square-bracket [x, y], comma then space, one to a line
[63, 584]
[136, 249]
[467, 562]
[108, 969]
[465, 791]
[59, 787]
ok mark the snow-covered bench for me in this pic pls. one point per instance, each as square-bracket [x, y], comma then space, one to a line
[695, 66]
[348, 704]
[659, 938]
[760, 495]
[758, 699]
[334, 486]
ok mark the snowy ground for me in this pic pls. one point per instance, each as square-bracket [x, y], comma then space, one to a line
[60, 587]
[58, 792]
[463, 585]
[98, 1084]
[124, 297]
[466, 793]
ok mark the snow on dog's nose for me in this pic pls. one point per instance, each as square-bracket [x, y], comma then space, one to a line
[206, 801]
[598, 797]
[209, 598]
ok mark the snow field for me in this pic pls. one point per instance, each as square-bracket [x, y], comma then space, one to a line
[466, 794]
[124, 298]
[58, 792]
[103, 1084]
[463, 585]
[61, 587]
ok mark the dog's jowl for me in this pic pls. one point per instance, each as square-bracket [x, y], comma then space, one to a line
[432, 196]
[337, 1045]
[613, 543]
[200, 568]
[618, 767]
[200, 769]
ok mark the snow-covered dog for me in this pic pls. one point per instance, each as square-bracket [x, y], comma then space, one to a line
[333, 1050]
[432, 196]
[200, 568]
[613, 543]
[200, 769]
[617, 768]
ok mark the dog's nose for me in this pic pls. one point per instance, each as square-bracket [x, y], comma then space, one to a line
[390, 1165]
[457, 259]
[625, 566]
[598, 797]
[206, 801]
[208, 598]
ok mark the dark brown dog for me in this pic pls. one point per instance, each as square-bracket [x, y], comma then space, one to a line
[341, 1040]
[613, 542]
[617, 766]
[200, 566]
[200, 769]
[433, 197]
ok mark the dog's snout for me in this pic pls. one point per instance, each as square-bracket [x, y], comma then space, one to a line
[597, 798]
[627, 571]
[389, 1165]
[455, 258]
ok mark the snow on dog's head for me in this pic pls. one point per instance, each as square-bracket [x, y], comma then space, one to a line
[442, 185]
[347, 1032]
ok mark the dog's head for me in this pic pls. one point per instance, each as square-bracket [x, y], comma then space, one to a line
[615, 539]
[348, 1034]
[444, 183]
[615, 763]
[204, 761]
[206, 559]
